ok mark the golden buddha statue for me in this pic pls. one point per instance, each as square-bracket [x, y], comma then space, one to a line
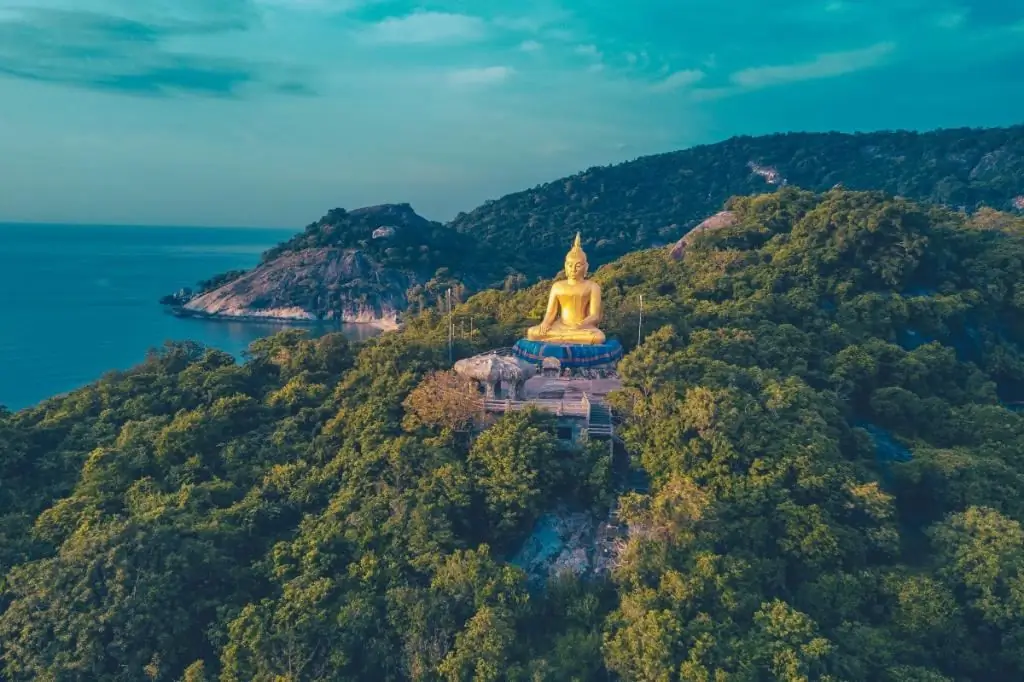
[574, 306]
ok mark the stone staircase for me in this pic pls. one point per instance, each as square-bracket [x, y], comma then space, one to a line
[600, 422]
[638, 481]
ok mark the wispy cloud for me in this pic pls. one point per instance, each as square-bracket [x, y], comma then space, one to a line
[424, 28]
[488, 75]
[328, 6]
[429, 80]
[547, 22]
[950, 19]
[524, 24]
[112, 53]
[194, 16]
[826, 65]
[993, 13]
[593, 55]
[678, 80]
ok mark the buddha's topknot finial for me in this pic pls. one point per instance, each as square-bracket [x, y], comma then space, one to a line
[576, 252]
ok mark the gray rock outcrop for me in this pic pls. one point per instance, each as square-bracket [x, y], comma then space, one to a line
[310, 285]
[720, 220]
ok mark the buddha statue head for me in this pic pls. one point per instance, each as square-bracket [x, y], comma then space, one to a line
[576, 262]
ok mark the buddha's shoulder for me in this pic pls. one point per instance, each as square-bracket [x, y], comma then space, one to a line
[585, 286]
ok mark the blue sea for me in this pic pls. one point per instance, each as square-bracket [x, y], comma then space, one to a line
[77, 301]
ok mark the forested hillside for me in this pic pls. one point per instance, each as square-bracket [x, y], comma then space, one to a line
[391, 233]
[521, 238]
[654, 200]
[823, 400]
[657, 199]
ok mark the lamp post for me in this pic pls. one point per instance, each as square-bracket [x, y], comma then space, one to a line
[451, 327]
[640, 324]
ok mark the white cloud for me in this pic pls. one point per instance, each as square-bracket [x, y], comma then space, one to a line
[950, 20]
[524, 24]
[530, 46]
[588, 51]
[826, 65]
[561, 34]
[536, 22]
[487, 75]
[421, 28]
[679, 79]
[709, 94]
[317, 5]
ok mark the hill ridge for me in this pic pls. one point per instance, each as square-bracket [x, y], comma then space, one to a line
[650, 201]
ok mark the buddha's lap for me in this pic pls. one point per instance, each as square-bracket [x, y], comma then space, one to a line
[558, 332]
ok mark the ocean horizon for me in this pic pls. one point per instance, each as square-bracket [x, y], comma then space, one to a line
[82, 300]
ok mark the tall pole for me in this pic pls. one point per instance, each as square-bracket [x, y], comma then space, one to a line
[640, 324]
[451, 326]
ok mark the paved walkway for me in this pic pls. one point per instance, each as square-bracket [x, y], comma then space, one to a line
[557, 387]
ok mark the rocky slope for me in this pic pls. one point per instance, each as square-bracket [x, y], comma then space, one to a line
[364, 266]
[719, 221]
[312, 284]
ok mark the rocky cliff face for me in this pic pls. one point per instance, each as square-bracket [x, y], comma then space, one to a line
[312, 284]
[351, 266]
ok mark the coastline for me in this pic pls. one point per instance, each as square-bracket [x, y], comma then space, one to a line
[381, 324]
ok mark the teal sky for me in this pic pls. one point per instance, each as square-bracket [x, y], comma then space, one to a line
[270, 112]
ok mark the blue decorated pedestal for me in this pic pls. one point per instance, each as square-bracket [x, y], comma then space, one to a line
[570, 356]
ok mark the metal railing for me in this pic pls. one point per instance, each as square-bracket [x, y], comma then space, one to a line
[568, 408]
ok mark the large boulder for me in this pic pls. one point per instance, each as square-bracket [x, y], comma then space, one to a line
[490, 368]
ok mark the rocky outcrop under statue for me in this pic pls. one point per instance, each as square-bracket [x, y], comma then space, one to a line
[562, 542]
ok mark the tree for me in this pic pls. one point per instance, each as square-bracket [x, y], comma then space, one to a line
[509, 461]
[444, 400]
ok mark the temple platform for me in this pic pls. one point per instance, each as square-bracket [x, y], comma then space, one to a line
[569, 356]
[577, 397]
[580, 404]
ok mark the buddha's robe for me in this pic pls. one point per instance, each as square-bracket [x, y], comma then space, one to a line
[573, 312]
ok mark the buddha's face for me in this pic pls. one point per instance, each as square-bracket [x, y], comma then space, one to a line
[575, 269]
